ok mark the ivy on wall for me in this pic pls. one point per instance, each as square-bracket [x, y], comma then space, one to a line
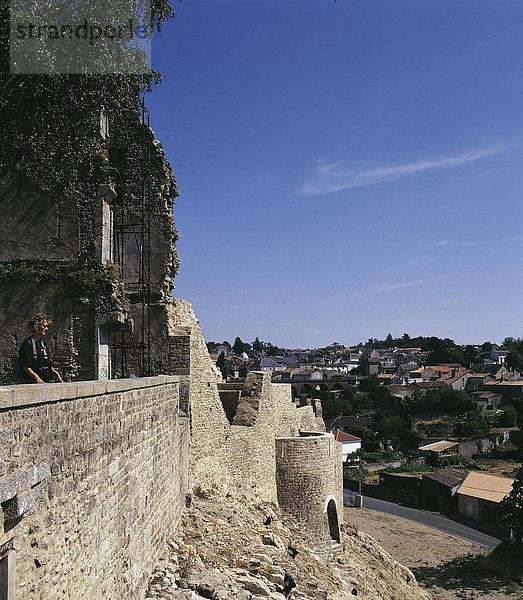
[93, 283]
[49, 124]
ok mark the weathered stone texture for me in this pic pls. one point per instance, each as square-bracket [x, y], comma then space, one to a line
[78, 260]
[209, 426]
[98, 474]
[34, 224]
[233, 439]
[308, 474]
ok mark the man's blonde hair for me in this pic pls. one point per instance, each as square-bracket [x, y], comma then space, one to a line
[36, 320]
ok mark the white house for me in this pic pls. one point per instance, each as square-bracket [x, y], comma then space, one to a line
[349, 443]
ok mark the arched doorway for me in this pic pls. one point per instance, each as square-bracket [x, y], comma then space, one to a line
[332, 516]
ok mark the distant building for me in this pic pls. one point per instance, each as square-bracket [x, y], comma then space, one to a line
[477, 380]
[479, 497]
[349, 443]
[486, 400]
[441, 449]
[495, 355]
[456, 379]
[269, 363]
[387, 395]
[439, 488]
[511, 390]
[421, 374]
[495, 370]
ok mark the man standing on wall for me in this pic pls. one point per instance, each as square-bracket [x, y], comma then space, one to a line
[35, 361]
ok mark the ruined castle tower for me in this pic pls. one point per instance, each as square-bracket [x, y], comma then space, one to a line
[100, 262]
[309, 479]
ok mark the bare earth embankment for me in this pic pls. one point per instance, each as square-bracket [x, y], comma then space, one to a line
[446, 566]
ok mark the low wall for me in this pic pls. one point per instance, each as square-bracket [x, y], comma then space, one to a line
[92, 481]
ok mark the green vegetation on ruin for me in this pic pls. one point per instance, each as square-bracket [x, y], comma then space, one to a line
[49, 124]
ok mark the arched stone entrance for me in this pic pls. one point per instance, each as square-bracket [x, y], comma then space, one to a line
[332, 517]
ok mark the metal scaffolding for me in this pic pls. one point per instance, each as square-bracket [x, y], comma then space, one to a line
[131, 158]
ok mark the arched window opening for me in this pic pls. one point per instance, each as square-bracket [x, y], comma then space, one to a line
[332, 516]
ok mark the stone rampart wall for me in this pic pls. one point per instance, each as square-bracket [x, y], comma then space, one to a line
[251, 450]
[93, 479]
[240, 455]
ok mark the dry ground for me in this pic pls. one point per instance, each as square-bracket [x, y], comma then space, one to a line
[446, 566]
[496, 466]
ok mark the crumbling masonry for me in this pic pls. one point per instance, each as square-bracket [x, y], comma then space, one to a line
[94, 473]
[100, 262]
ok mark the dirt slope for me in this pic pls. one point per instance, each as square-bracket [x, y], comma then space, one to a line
[246, 550]
[448, 567]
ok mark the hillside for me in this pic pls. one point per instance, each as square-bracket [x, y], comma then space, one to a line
[239, 548]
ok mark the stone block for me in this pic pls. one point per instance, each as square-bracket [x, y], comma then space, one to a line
[6, 397]
[11, 485]
[23, 504]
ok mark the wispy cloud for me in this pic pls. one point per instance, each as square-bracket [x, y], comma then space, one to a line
[338, 298]
[478, 242]
[331, 177]
[341, 298]
[404, 284]
[419, 261]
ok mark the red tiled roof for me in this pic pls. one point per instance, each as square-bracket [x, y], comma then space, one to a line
[341, 436]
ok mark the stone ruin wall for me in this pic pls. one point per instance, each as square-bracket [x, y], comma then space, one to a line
[98, 471]
[93, 480]
[94, 475]
[238, 455]
[56, 258]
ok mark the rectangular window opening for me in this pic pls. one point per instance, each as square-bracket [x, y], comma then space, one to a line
[7, 571]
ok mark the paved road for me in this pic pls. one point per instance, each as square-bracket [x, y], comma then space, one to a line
[431, 519]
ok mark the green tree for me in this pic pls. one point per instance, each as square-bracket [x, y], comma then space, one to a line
[363, 400]
[471, 355]
[238, 346]
[369, 384]
[222, 365]
[442, 401]
[330, 406]
[514, 360]
[348, 394]
[257, 346]
[333, 406]
[508, 417]
[273, 350]
[363, 366]
[486, 347]
[472, 425]
[367, 436]
[49, 123]
[511, 509]
[390, 427]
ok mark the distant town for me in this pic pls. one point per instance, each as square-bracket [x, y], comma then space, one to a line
[419, 418]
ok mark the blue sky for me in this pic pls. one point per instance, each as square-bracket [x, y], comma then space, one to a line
[347, 168]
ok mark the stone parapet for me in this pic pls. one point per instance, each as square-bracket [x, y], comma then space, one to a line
[32, 394]
[93, 478]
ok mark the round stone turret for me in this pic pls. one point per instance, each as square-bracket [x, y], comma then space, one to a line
[309, 478]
